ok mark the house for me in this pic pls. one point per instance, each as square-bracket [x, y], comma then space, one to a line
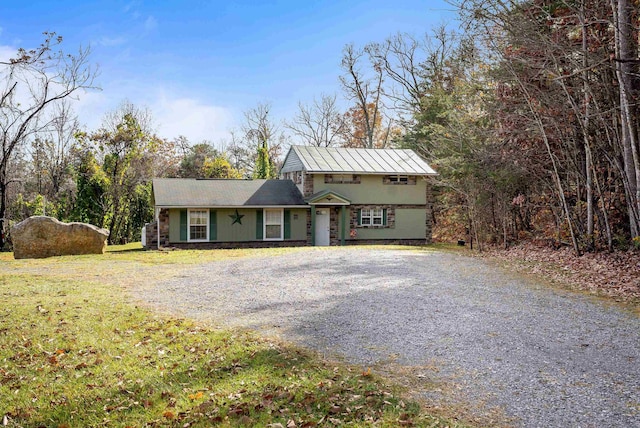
[325, 196]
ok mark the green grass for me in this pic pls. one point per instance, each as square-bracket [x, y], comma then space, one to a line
[75, 352]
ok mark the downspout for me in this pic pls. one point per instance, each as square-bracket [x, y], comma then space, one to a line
[344, 216]
[313, 225]
[158, 228]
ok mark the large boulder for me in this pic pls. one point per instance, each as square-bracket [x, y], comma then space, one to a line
[39, 236]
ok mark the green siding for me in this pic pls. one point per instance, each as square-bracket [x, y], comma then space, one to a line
[409, 224]
[226, 232]
[259, 224]
[213, 227]
[372, 191]
[299, 224]
[183, 225]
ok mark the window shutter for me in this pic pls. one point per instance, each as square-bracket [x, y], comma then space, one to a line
[213, 229]
[183, 225]
[384, 216]
[287, 224]
[258, 224]
[359, 217]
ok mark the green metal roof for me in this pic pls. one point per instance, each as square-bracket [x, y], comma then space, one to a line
[359, 161]
[191, 192]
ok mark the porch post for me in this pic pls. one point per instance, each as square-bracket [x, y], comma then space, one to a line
[343, 212]
[313, 225]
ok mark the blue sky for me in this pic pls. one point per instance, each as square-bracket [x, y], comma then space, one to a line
[197, 65]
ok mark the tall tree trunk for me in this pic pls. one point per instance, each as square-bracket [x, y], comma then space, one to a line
[585, 129]
[626, 73]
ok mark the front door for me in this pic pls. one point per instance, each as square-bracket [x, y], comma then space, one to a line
[322, 227]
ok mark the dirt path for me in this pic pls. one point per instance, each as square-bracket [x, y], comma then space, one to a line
[495, 344]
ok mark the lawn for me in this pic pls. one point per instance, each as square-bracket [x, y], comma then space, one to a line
[75, 351]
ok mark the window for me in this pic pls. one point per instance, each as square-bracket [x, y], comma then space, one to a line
[372, 217]
[273, 220]
[399, 179]
[198, 225]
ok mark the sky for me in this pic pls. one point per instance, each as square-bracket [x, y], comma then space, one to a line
[198, 65]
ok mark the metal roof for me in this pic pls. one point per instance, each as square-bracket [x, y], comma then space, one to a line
[191, 192]
[361, 161]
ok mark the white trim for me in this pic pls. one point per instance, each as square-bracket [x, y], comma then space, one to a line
[336, 204]
[264, 224]
[208, 220]
[371, 217]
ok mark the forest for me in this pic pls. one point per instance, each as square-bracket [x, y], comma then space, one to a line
[528, 111]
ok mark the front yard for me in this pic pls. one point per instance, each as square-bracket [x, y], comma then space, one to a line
[74, 352]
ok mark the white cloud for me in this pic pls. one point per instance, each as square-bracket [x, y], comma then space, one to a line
[173, 114]
[7, 52]
[192, 118]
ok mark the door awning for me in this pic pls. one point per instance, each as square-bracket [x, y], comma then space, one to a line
[327, 197]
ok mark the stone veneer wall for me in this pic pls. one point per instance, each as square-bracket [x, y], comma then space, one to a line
[429, 208]
[334, 226]
[309, 226]
[307, 187]
[152, 235]
[163, 224]
[391, 216]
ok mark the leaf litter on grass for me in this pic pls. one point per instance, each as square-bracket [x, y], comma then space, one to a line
[74, 352]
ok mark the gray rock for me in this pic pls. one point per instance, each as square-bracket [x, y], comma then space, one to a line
[40, 236]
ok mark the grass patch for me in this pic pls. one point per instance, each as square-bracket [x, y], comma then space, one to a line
[74, 352]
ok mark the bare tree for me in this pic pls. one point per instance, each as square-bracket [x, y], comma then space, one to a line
[259, 131]
[365, 90]
[318, 124]
[32, 83]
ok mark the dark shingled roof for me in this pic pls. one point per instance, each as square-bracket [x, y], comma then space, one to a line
[191, 192]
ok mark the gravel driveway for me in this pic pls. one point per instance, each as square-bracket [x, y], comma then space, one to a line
[470, 331]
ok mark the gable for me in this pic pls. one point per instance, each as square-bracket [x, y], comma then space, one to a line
[291, 162]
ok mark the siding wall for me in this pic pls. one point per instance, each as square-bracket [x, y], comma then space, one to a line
[371, 190]
[240, 232]
[291, 163]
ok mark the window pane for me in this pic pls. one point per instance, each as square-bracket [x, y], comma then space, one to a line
[273, 216]
[198, 217]
[198, 232]
[272, 231]
[377, 220]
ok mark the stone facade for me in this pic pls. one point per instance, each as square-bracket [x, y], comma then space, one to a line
[334, 226]
[391, 216]
[429, 208]
[307, 186]
[151, 234]
[163, 221]
[410, 180]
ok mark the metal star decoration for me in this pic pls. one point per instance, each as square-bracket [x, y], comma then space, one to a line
[237, 218]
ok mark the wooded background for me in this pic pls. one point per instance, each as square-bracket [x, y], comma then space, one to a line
[529, 113]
